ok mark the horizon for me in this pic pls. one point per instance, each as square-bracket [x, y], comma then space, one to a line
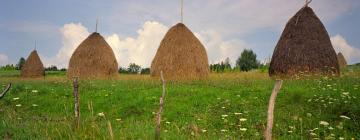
[134, 29]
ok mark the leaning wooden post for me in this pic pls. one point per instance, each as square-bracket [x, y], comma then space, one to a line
[270, 114]
[5, 91]
[158, 114]
[76, 102]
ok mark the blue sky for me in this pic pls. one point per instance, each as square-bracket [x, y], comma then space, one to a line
[134, 28]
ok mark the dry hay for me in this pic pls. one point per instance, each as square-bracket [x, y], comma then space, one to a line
[341, 60]
[33, 67]
[304, 48]
[180, 56]
[93, 59]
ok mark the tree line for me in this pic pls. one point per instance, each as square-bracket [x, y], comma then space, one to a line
[247, 61]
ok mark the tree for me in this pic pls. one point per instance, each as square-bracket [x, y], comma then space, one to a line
[247, 61]
[20, 64]
[145, 71]
[133, 68]
[51, 68]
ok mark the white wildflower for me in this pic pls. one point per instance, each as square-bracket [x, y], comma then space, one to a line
[313, 134]
[167, 122]
[224, 116]
[345, 117]
[101, 114]
[223, 130]
[290, 131]
[34, 91]
[203, 130]
[341, 138]
[118, 119]
[17, 98]
[243, 119]
[243, 129]
[18, 105]
[35, 105]
[237, 113]
[345, 93]
[331, 128]
[223, 107]
[324, 123]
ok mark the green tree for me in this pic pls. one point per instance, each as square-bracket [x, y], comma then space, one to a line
[247, 61]
[20, 64]
[133, 68]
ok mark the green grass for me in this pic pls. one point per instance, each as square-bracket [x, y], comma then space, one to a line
[210, 109]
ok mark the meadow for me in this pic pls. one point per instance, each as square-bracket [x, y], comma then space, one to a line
[229, 105]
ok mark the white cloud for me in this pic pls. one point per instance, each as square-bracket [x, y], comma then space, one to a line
[4, 59]
[72, 35]
[142, 48]
[218, 49]
[351, 54]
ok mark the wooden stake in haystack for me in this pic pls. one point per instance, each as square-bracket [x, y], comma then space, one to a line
[5, 91]
[270, 117]
[76, 102]
[158, 114]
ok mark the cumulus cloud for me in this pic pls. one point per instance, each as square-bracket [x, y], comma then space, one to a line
[3, 59]
[351, 54]
[218, 49]
[142, 48]
[72, 35]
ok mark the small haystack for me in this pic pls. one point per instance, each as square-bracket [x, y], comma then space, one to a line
[304, 47]
[33, 67]
[180, 56]
[93, 59]
[342, 60]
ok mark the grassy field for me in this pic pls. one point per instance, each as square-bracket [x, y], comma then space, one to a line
[226, 106]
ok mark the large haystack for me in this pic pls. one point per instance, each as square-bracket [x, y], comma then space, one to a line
[93, 59]
[341, 60]
[180, 56]
[33, 67]
[304, 47]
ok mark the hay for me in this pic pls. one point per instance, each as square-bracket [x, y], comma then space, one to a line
[33, 67]
[304, 48]
[341, 60]
[180, 56]
[93, 59]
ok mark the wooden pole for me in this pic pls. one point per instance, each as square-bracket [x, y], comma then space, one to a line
[76, 101]
[182, 11]
[270, 117]
[97, 22]
[158, 114]
[5, 91]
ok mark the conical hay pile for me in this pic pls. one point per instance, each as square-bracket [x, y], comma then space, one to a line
[93, 59]
[304, 47]
[180, 56]
[33, 67]
[342, 60]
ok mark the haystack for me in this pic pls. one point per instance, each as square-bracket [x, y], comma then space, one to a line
[93, 59]
[342, 60]
[180, 56]
[33, 67]
[304, 48]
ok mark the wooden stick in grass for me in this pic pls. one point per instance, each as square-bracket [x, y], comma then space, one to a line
[5, 91]
[158, 114]
[76, 101]
[270, 117]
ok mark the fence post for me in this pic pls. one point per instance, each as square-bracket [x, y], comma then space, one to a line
[76, 102]
[5, 91]
[270, 114]
[158, 114]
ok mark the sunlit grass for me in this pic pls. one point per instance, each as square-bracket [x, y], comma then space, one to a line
[228, 105]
